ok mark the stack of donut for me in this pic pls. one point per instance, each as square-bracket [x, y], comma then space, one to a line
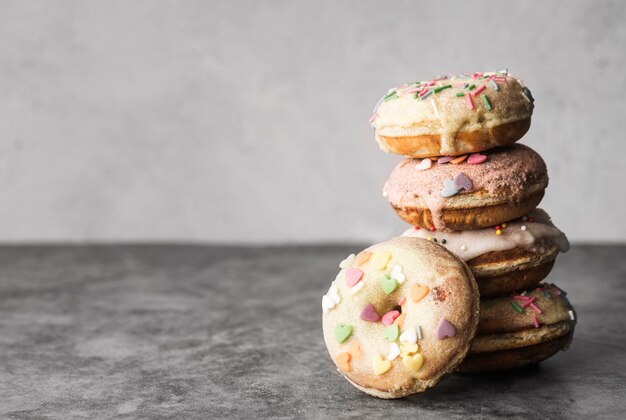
[461, 289]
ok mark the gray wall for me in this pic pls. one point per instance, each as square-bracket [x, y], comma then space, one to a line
[247, 121]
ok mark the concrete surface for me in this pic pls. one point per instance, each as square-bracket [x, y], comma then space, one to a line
[217, 332]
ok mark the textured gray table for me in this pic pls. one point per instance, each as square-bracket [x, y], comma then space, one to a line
[208, 332]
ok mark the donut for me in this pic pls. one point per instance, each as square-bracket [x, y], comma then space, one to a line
[453, 115]
[399, 316]
[512, 256]
[521, 329]
[482, 190]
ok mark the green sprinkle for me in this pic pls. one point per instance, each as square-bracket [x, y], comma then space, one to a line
[415, 95]
[460, 94]
[439, 89]
[443, 241]
[517, 307]
[435, 240]
[470, 87]
[486, 101]
[390, 96]
[530, 95]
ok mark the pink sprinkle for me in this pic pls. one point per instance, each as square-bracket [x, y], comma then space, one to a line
[431, 83]
[558, 291]
[458, 85]
[477, 75]
[480, 89]
[401, 301]
[500, 79]
[413, 90]
[373, 117]
[536, 322]
[468, 99]
[529, 302]
[424, 92]
[520, 297]
[535, 308]
[389, 317]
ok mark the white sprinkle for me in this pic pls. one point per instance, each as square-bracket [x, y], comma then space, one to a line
[408, 336]
[394, 351]
[526, 96]
[571, 315]
[494, 85]
[524, 293]
[385, 193]
[523, 227]
[432, 102]
[396, 274]
[347, 262]
[355, 289]
[419, 332]
[463, 247]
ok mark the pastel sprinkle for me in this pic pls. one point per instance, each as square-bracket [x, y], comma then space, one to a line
[400, 320]
[439, 89]
[427, 94]
[459, 94]
[516, 306]
[380, 260]
[470, 87]
[391, 333]
[380, 365]
[445, 329]
[408, 336]
[388, 284]
[426, 163]
[402, 301]
[547, 294]
[418, 292]
[476, 158]
[458, 160]
[480, 89]
[353, 276]
[468, 100]
[445, 159]
[355, 350]
[362, 257]
[397, 274]
[368, 313]
[494, 85]
[355, 289]
[486, 101]
[523, 227]
[449, 189]
[536, 322]
[347, 262]
[528, 302]
[413, 362]
[394, 351]
[571, 315]
[343, 361]
[420, 335]
[342, 332]
[536, 308]
[389, 317]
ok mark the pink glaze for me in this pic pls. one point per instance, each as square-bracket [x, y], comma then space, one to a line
[506, 175]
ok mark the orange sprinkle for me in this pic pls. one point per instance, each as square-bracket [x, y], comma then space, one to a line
[362, 257]
[400, 320]
[355, 350]
[343, 361]
[458, 160]
[419, 292]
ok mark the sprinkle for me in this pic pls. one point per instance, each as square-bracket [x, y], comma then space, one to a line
[435, 240]
[443, 241]
[420, 336]
[432, 228]
[432, 102]
[463, 247]
[536, 322]
[486, 101]
[373, 117]
[523, 227]
[530, 219]
[480, 89]
[571, 316]
[417, 228]
[498, 232]
[468, 99]
[459, 85]
[401, 301]
[459, 94]
[355, 289]
[391, 95]
[524, 293]
[494, 85]
[526, 96]
[430, 238]
[547, 294]
[470, 87]
[503, 225]
[558, 291]
[426, 94]
[439, 89]
[521, 297]
[458, 160]
[536, 308]
[529, 301]
[516, 306]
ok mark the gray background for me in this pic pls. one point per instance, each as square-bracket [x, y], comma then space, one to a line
[247, 121]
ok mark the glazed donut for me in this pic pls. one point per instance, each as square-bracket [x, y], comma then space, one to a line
[399, 316]
[479, 191]
[521, 329]
[513, 256]
[453, 115]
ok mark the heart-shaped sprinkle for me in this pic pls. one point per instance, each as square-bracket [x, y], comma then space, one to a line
[445, 329]
[409, 336]
[476, 158]
[343, 361]
[355, 350]
[333, 293]
[462, 182]
[388, 284]
[353, 275]
[391, 333]
[396, 273]
[327, 304]
[418, 292]
[369, 313]
[354, 289]
[347, 262]
[406, 349]
[445, 159]
[394, 351]
[400, 320]
[380, 260]
[458, 160]
[424, 164]
[380, 365]
[362, 257]
[389, 317]
[448, 189]
[342, 332]
[414, 362]
[402, 300]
